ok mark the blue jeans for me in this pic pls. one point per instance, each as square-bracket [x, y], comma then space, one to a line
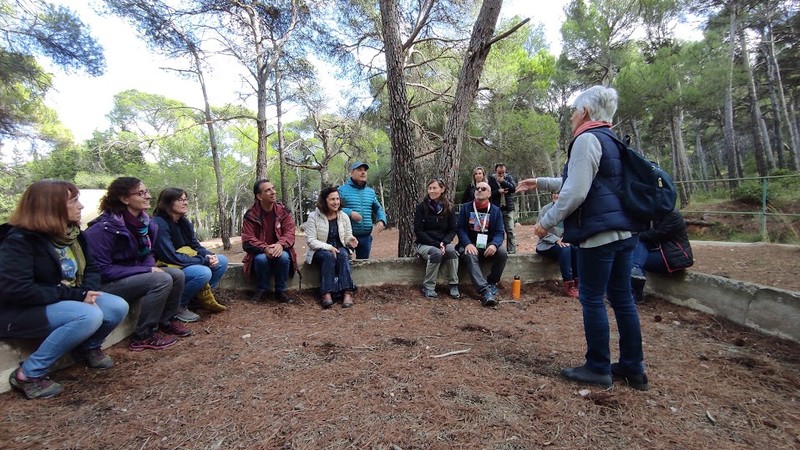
[334, 271]
[364, 246]
[198, 276]
[648, 260]
[567, 258]
[606, 270]
[74, 324]
[278, 267]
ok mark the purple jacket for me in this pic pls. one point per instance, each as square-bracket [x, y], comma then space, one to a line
[115, 249]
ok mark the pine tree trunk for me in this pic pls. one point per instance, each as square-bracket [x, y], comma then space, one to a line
[281, 140]
[401, 133]
[727, 127]
[701, 155]
[794, 136]
[763, 150]
[453, 139]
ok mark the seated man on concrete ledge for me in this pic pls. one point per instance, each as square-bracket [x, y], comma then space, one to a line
[268, 239]
[480, 236]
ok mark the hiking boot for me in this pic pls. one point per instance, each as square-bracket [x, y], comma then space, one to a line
[207, 300]
[95, 358]
[635, 381]
[184, 315]
[570, 289]
[429, 293]
[176, 328]
[156, 341]
[586, 376]
[42, 387]
[637, 274]
[637, 289]
[454, 292]
[494, 288]
[488, 298]
[283, 297]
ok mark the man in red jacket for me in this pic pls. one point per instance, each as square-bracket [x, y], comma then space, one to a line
[268, 240]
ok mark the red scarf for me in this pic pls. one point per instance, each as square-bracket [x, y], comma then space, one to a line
[481, 205]
[589, 125]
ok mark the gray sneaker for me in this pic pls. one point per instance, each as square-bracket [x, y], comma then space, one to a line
[184, 315]
[95, 358]
[429, 293]
[454, 292]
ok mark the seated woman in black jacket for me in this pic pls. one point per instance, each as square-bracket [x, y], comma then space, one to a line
[663, 249]
[49, 287]
[435, 228]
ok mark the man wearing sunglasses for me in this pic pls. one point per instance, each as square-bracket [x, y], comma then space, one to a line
[480, 236]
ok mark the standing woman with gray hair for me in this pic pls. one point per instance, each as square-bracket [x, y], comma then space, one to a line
[605, 234]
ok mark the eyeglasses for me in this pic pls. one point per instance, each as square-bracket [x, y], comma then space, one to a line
[143, 193]
[481, 189]
[182, 200]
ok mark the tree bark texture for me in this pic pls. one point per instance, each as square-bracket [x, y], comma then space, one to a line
[794, 137]
[401, 131]
[479, 46]
[727, 125]
[763, 150]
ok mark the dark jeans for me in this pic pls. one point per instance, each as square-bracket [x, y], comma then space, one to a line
[334, 271]
[606, 271]
[648, 260]
[158, 292]
[264, 266]
[567, 258]
[364, 246]
[472, 263]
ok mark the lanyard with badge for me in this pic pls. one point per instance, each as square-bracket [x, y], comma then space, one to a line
[483, 237]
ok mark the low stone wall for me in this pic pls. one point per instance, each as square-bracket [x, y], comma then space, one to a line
[769, 310]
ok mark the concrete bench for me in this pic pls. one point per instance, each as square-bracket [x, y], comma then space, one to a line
[769, 310]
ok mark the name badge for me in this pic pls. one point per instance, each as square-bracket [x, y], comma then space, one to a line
[483, 239]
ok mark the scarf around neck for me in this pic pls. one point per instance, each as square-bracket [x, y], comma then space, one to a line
[589, 125]
[139, 227]
[435, 206]
[70, 239]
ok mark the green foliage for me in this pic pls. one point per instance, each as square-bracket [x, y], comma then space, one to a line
[93, 180]
[749, 192]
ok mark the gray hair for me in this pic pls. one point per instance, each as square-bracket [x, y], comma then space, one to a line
[600, 101]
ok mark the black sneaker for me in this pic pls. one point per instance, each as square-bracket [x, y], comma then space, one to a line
[259, 296]
[635, 381]
[42, 387]
[283, 297]
[488, 298]
[586, 376]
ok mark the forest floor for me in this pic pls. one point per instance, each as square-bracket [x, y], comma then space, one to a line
[378, 376]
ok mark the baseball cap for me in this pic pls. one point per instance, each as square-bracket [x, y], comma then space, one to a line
[358, 164]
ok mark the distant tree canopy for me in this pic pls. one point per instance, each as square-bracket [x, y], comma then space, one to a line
[30, 28]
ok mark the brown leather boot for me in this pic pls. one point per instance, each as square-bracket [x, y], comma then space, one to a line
[205, 298]
[570, 289]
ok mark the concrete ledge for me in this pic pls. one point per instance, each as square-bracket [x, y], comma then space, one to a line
[411, 271]
[769, 310]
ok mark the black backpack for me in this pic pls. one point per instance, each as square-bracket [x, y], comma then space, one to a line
[648, 192]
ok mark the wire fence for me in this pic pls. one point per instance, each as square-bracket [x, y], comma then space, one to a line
[769, 204]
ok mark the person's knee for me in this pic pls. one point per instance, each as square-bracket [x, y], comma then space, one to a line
[159, 281]
[197, 273]
[434, 256]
